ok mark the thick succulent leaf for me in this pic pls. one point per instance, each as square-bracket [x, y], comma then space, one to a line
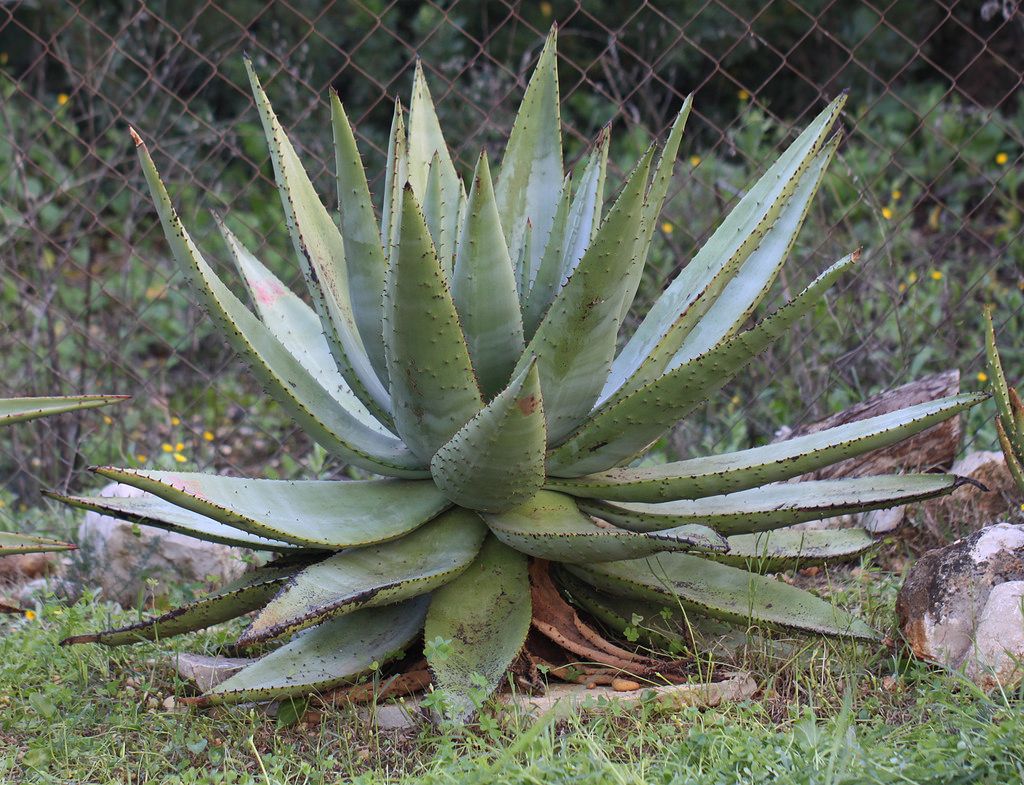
[585, 213]
[150, 510]
[665, 627]
[496, 460]
[717, 474]
[253, 590]
[396, 175]
[723, 592]
[626, 426]
[530, 179]
[426, 145]
[370, 577]
[484, 289]
[655, 201]
[434, 388]
[283, 376]
[664, 327]
[484, 616]
[327, 656]
[297, 327]
[551, 526]
[364, 254]
[321, 251]
[575, 341]
[786, 549]
[537, 295]
[432, 200]
[13, 543]
[1001, 393]
[736, 304]
[777, 505]
[14, 410]
[310, 513]
[1012, 461]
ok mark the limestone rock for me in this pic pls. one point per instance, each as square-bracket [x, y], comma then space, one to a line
[961, 605]
[134, 564]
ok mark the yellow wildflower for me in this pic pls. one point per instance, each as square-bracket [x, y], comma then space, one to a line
[141, 457]
[694, 160]
[179, 446]
[982, 376]
[667, 227]
[30, 615]
[175, 421]
[2, 504]
[736, 400]
[4, 58]
[912, 278]
[166, 447]
[901, 288]
[179, 457]
[545, 9]
[1002, 158]
[108, 420]
[208, 436]
[896, 195]
[62, 98]
[887, 213]
[936, 275]
[743, 95]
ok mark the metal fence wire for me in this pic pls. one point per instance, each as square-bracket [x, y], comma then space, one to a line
[928, 180]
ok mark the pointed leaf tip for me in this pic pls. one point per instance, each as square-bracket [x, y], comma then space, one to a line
[135, 137]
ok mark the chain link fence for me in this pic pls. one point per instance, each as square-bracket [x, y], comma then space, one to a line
[928, 181]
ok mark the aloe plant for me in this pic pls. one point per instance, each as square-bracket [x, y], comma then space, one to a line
[1009, 408]
[463, 348]
[14, 410]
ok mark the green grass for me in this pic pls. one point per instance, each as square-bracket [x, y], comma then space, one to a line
[826, 713]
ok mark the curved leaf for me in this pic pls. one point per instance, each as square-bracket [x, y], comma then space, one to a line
[530, 178]
[327, 656]
[777, 505]
[396, 175]
[321, 252]
[699, 477]
[723, 592]
[536, 296]
[373, 576]
[575, 341]
[14, 410]
[663, 328]
[484, 615]
[654, 202]
[12, 543]
[496, 460]
[297, 327]
[754, 279]
[429, 159]
[626, 426]
[786, 549]
[311, 513]
[150, 510]
[432, 382]
[253, 590]
[484, 289]
[364, 253]
[282, 375]
[550, 526]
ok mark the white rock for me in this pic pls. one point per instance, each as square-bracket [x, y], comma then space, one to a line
[961, 605]
[998, 657]
[133, 564]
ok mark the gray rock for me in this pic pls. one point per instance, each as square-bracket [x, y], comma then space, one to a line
[961, 605]
[134, 564]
